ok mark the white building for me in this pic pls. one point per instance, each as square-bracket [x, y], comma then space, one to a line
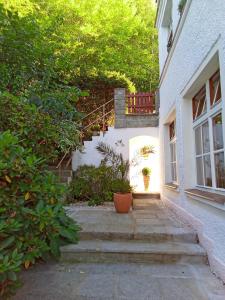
[192, 118]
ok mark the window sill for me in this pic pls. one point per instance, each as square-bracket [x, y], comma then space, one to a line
[172, 186]
[211, 198]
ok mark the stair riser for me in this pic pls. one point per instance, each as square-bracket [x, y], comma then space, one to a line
[111, 236]
[107, 257]
[146, 196]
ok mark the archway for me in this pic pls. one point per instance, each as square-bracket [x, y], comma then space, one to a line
[140, 158]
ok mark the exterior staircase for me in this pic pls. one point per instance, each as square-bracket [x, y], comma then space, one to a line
[146, 235]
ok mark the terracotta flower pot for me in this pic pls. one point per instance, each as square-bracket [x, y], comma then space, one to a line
[146, 182]
[122, 202]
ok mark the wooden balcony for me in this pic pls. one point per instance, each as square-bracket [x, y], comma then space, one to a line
[140, 104]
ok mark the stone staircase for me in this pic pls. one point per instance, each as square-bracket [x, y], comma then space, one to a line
[149, 234]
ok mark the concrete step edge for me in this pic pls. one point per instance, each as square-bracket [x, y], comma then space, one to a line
[186, 237]
[135, 247]
[95, 252]
[146, 195]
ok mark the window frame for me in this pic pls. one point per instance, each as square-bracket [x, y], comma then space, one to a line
[204, 109]
[213, 94]
[173, 143]
[212, 110]
[203, 154]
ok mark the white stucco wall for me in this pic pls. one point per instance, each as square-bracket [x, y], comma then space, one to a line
[202, 35]
[133, 139]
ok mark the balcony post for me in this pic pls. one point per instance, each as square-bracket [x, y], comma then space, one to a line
[120, 107]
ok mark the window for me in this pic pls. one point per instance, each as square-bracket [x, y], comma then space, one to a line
[215, 88]
[218, 150]
[199, 103]
[202, 149]
[208, 131]
[173, 159]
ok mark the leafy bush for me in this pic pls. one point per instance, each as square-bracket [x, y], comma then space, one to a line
[114, 159]
[121, 186]
[96, 185]
[92, 184]
[36, 128]
[33, 223]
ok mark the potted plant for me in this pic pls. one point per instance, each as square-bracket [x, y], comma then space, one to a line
[146, 172]
[146, 150]
[122, 195]
[121, 188]
[95, 129]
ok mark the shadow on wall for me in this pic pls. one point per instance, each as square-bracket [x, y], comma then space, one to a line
[141, 157]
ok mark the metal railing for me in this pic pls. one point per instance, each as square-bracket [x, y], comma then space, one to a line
[101, 118]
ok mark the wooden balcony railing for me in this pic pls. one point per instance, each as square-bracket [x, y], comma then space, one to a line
[140, 103]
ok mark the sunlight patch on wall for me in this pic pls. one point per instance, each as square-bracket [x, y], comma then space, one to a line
[141, 156]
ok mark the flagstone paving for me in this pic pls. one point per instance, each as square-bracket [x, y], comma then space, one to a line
[146, 254]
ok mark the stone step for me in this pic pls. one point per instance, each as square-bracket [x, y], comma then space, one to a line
[146, 195]
[99, 251]
[145, 203]
[154, 234]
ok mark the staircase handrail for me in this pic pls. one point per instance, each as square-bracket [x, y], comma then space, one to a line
[86, 127]
[100, 118]
[98, 108]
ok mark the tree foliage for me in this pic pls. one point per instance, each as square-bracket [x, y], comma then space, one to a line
[83, 42]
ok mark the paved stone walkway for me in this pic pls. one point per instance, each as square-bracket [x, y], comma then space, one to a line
[120, 282]
[118, 258]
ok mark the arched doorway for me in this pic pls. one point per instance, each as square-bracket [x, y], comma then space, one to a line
[140, 158]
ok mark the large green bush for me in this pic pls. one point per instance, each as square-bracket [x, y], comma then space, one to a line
[47, 131]
[92, 184]
[97, 185]
[33, 223]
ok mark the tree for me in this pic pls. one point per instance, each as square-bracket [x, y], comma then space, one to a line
[82, 43]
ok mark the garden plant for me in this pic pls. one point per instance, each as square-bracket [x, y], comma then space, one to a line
[33, 223]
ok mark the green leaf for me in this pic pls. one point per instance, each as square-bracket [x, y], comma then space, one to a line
[7, 242]
[12, 276]
[54, 246]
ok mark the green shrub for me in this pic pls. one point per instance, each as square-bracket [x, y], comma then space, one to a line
[92, 184]
[96, 185]
[111, 157]
[33, 223]
[121, 186]
[36, 128]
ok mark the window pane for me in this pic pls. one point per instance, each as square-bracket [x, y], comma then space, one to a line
[172, 130]
[205, 137]
[199, 171]
[207, 170]
[220, 170]
[198, 146]
[218, 132]
[199, 103]
[215, 88]
[174, 171]
[172, 152]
